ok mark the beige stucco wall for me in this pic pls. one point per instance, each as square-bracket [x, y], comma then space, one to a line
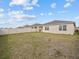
[38, 29]
[52, 29]
[35, 29]
[16, 30]
[55, 29]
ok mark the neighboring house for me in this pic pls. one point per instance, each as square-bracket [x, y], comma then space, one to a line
[57, 27]
[77, 29]
[37, 28]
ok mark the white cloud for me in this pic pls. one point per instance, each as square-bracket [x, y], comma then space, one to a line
[64, 11]
[1, 15]
[29, 17]
[2, 21]
[15, 12]
[70, 1]
[46, 14]
[77, 17]
[14, 17]
[1, 10]
[53, 5]
[18, 2]
[42, 14]
[50, 13]
[20, 15]
[67, 5]
[34, 2]
[27, 4]
[29, 8]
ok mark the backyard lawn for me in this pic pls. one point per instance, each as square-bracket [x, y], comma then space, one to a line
[39, 46]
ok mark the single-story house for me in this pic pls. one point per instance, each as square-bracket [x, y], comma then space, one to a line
[77, 29]
[57, 27]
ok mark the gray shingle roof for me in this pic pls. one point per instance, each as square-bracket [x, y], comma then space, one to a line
[37, 24]
[58, 22]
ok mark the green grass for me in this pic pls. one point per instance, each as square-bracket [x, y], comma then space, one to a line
[39, 46]
[4, 52]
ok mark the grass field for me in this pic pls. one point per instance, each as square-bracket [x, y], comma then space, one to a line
[39, 46]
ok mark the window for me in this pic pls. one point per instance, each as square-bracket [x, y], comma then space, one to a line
[35, 27]
[46, 28]
[62, 28]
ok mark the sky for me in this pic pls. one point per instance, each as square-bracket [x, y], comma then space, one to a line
[14, 13]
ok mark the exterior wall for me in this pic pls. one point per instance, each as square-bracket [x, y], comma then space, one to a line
[77, 29]
[16, 30]
[55, 29]
[35, 29]
[38, 29]
[52, 29]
